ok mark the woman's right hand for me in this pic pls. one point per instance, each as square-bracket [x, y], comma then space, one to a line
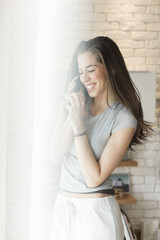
[65, 98]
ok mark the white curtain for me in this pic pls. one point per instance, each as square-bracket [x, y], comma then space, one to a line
[44, 173]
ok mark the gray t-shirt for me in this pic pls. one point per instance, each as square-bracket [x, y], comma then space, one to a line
[99, 129]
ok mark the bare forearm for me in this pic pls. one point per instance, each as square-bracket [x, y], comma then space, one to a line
[61, 141]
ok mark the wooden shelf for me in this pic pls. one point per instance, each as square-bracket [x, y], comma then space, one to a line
[127, 163]
[127, 199]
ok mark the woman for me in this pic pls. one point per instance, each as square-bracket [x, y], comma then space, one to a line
[100, 118]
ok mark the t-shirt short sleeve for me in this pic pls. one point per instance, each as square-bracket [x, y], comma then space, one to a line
[124, 119]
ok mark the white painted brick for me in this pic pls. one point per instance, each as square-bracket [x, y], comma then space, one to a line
[153, 27]
[135, 222]
[108, 8]
[157, 188]
[143, 35]
[136, 180]
[147, 18]
[117, 34]
[132, 26]
[147, 52]
[127, 52]
[135, 60]
[130, 67]
[152, 213]
[153, 196]
[153, 60]
[146, 2]
[127, 43]
[140, 9]
[142, 188]
[129, 8]
[150, 154]
[92, 17]
[141, 162]
[105, 26]
[119, 17]
[152, 179]
[132, 213]
[142, 171]
[144, 205]
[153, 68]
[153, 9]
[138, 154]
[151, 163]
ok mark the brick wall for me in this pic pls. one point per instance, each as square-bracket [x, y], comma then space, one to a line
[135, 27]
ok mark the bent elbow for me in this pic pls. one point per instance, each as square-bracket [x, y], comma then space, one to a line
[93, 184]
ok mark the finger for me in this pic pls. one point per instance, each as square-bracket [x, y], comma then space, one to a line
[71, 100]
[81, 97]
[76, 99]
[71, 87]
[73, 83]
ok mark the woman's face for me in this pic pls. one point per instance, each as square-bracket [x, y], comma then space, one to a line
[93, 74]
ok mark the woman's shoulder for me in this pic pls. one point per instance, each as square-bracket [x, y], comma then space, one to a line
[123, 117]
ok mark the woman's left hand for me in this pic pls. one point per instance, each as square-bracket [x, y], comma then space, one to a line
[77, 111]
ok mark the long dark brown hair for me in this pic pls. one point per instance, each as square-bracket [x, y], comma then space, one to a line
[119, 80]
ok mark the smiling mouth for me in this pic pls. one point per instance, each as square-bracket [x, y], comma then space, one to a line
[90, 87]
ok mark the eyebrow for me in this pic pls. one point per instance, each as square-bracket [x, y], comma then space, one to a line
[91, 65]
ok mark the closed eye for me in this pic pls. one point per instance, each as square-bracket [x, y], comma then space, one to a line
[80, 73]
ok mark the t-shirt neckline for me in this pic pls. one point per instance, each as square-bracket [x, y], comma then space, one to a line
[105, 110]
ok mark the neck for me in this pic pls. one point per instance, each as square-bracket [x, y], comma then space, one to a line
[101, 103]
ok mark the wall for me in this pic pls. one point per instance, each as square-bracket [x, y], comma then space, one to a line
[135, 26]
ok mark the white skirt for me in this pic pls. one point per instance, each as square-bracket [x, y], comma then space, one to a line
[87, 219]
